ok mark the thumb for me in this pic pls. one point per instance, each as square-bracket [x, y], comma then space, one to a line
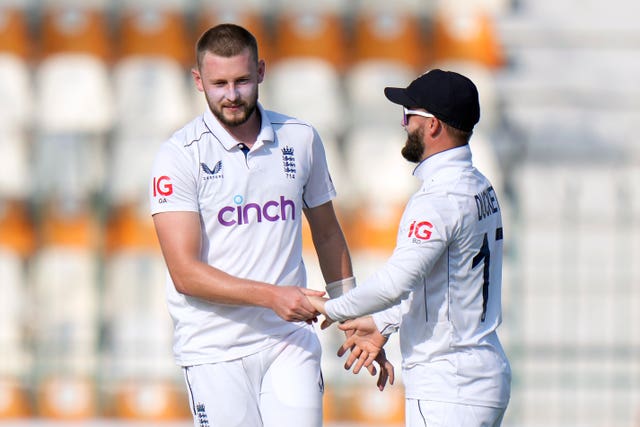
[348, 325]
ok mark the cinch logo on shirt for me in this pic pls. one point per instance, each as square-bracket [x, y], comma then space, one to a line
[420, 230]
[271, 211]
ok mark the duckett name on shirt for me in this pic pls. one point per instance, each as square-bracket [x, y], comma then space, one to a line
[272, 211]
[487, 203]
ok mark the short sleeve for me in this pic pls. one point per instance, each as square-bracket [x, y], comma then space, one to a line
[319, 188]
[173, 185]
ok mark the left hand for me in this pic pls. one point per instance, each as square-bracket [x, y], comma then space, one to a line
[365, 343]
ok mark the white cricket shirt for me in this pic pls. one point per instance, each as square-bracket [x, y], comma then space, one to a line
[250, 210]
[443, 284]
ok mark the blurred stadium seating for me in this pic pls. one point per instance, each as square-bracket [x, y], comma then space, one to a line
[90, 88]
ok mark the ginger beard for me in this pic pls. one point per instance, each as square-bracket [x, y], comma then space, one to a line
[414, 147]
[246, 109]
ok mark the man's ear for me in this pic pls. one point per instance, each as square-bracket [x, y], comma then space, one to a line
[197, 78]
[434, 127]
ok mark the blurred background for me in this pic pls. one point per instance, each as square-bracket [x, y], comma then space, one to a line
[90, 88]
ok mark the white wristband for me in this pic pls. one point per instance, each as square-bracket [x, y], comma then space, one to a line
[339, 287]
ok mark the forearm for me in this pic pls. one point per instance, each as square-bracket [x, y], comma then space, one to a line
[374, 295]
[333, 256]
[200, 280]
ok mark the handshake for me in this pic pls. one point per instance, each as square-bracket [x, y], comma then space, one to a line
[363, 341]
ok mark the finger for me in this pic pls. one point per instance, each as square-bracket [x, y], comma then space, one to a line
[360, 362]
[307, 308]
[390, 372]
[382, 379]
[371, 369]
[365, 359]
[312, 292]
[326, 323]
[346, 346]
[348, 325]
[353, 357]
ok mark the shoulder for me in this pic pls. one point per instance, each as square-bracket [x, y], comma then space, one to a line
[281, 121]
[191, 133]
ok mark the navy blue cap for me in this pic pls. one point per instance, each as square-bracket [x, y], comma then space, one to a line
[451, 97]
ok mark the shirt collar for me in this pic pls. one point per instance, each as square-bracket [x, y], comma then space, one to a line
[265, 135]
[429, 167]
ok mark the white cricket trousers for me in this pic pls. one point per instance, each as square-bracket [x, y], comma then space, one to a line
[281, 386]
[429, 413]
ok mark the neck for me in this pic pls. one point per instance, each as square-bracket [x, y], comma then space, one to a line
[435, 147]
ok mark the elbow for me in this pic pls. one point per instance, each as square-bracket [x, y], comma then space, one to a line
[181, 283]
[181, 287]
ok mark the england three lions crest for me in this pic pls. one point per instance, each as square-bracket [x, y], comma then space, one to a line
[289, 162]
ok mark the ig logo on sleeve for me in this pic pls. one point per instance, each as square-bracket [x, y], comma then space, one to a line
[420, 231]
[162, 187]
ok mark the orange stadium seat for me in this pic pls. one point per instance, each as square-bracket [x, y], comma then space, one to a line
[66, 398]
[314, 33]
[364, 85]
[151, 96]
[64, 272]
[380, 200]
[130, 227]
[15, 402]
[17, 242]
[17, 232]
[466, 35]
[72, 226]
[14, 32]
[389, 36]
[155, 31]
[139, 350]
[14, 356]
[150, 75]
[310, 89]
[72, 75]
[74, 29]
[151, 401]
[15, 78]
[368, 406]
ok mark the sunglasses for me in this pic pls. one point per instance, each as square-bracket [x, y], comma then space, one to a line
[406, 113]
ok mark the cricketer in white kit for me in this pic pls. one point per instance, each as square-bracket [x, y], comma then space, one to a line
[441, 287]
[250, 231]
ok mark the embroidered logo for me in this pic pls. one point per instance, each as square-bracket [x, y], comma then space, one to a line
[289, 162]
[201, 414]
[214, 173]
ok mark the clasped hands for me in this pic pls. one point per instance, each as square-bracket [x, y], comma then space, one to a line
[364, 341]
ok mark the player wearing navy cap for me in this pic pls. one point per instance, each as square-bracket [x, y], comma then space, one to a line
[227, 196]
[441, 288]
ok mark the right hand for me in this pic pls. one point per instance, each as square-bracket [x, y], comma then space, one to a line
[292, 305]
